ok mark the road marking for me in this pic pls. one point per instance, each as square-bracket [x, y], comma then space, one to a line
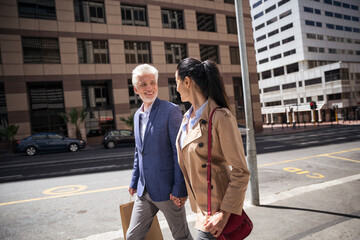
[280, 146]
[309, 142]
[69, 189]
[346, 159]
[64, 195]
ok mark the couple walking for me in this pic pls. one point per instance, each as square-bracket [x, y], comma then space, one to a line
[171, 153]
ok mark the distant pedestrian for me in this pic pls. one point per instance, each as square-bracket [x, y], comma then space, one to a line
[156, 176]
[200, 84]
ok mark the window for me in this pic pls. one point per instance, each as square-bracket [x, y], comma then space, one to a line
[339, 27]
[261, 38]
[275, 57]
[172, 19]
[345, 5]
[266, 74]
[272, 89]
[41, 50]
[271, 21]
[328, 1]
[354, 7]
[231, 25]
[289, 86]
[289, 39]
[262, 49]
[229, 1]
[258, 3]
[93, 51]
[279, 71]
[263, 60]
[317, 11]
[337, 3]
[330, 26]
[292, 68]
[272, 33]
[234, 55]
[174, 95]
[320, 98]
[209, 52]
[205, 22]
[348, 29]
[285, 14]
[320, 37]
[312, 49]
[259, 26]
[135, 100]
[286, 27]
[290, 101]
[338, 15]
[133, 15]
[274, 45]
[347, 17]
[318, 24]
[355, 19]
[308, 9]
[282, 2]
[309, 23]
[46, 104]
[137, 52]
[258, 15]
[269, 104]
[329, 14]
[37, 9]
[175, 52]
[291, 52]
[313, 81]
[332, 75]
[336, 96]
[270, 8]
[311, 36]
[332, 50]
[89, 11]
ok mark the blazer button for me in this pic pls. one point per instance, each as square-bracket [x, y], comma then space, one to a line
[201, 144]
[203, 166]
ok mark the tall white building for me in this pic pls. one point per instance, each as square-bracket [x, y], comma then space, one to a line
[307, 50]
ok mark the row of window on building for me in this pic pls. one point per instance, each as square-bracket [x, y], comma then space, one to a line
[334, 51]
[269, 9]
[332, 26]
[46, 50]
[134, 15]
[331, 14]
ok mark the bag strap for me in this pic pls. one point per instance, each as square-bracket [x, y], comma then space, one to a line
[209, 163]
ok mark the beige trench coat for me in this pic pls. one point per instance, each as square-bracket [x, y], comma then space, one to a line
[229, 183]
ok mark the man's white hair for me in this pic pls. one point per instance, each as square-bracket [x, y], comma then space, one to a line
[141, 70]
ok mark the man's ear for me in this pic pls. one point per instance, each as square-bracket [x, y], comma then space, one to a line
[136, 91]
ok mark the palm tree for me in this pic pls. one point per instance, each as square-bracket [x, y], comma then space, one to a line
[129, 121]
[9, 133]
[75, 117]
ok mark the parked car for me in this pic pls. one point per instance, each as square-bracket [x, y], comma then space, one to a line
[118, 138]
[41, 142]
[242, 129]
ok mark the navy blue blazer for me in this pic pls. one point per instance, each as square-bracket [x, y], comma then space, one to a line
[156, 165]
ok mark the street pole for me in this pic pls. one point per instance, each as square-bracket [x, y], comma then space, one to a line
[250, 134]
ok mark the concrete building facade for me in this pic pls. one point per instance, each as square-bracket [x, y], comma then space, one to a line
[307, 51]
[57, 55]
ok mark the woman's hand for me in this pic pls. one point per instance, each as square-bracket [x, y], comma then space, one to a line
[217, 222]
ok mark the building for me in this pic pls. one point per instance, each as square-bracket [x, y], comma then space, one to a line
[57, 55]
[307, 51]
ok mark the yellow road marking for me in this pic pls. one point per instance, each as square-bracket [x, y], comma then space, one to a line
[64, 195]
[346, 159]
[304, 158]
[69, 189]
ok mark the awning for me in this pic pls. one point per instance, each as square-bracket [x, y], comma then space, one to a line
[289, 108]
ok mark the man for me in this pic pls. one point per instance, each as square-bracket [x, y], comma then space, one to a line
[157, 178]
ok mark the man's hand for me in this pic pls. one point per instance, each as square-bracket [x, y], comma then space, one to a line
[217, 222]
[178, 201]
[132, 191]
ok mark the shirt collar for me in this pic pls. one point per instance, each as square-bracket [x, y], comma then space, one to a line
[147, 112]
[197, 113]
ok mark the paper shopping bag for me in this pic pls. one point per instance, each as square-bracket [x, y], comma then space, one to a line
[125, 213]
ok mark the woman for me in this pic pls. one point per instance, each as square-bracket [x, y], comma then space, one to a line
[200, 84]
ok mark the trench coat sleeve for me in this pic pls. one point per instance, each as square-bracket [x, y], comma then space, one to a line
[175, 119]
[232, 149]
[135, 174]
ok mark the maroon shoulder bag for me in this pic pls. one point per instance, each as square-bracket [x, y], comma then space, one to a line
[238, 227]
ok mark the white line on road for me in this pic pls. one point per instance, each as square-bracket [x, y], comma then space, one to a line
[309, 142]
[117, 235]
[91, 168]
[280, 146]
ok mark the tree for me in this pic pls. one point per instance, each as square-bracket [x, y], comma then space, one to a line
[129, 121]
[9, 133]
[75, 117]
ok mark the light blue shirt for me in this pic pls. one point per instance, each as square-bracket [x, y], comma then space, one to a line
[191, 122]
[144, 119]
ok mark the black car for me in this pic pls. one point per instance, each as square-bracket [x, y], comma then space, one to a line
[42, 142]
[122, 137]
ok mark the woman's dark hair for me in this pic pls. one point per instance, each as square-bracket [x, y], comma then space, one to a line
[207, 76]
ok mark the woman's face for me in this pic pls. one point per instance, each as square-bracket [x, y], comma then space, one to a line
[181, 88]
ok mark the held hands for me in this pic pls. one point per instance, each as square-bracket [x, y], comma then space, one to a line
[216, 223]
[178, 201]
[132, 191]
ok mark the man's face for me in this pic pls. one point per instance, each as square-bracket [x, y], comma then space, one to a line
[147, 88]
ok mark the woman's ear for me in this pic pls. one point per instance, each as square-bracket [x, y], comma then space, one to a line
[187, 82]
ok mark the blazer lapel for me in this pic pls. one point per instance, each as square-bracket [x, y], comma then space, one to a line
[153, 112]
[137, 130]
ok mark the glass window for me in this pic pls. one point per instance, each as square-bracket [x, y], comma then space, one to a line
[229, 1]
[133, 15]
[209, 52]
[234, 55]
[137, 52]
[289, 39]
[308, 9]
[261, 38]
[41, 50]
[286, 27]
[313, 81]
[328, 1]
[262, 49]
[338, 27]
[231, 25]
[266, 74]
[347, 17]
[329, 14]
[205, 22]
[312, 49]
[337, 3]
[271, 21]
[277, 56]
[135, 100]
[279, 71]
[89, 11]
[258, 3]
[309, 23]
[292, 68]
[272, 89]
[338, 15]
[332, 75]
[175, 52]
[317, 11]
[46, 103]
[272, 33]
[318, 24]
[345, 5]
[172, 19]
[289, 85]
[93, 51]
[282, 2]
[355, 19]
[37, 9]
[259, 26]
[330, 26]
[263, 60]
[270, 8]
[274, 45]
[291, 52]
[258, 15]
[354, 7]
[285, 14]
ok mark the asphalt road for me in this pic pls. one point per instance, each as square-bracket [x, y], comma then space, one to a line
[86, 206]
